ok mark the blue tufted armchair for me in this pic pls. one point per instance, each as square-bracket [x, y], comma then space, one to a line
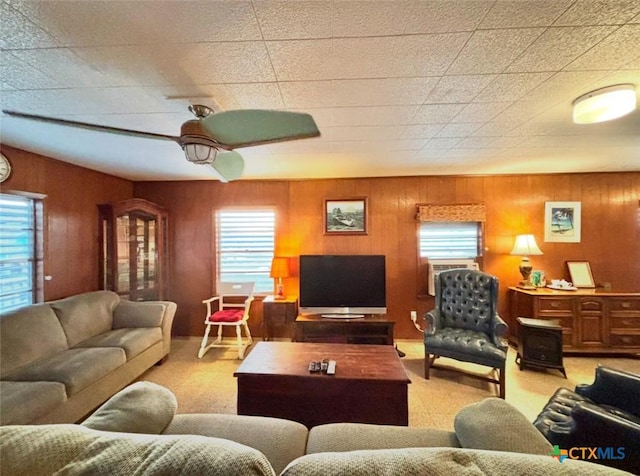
[465, 324]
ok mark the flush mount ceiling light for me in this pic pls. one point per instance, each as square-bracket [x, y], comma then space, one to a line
[604, 104]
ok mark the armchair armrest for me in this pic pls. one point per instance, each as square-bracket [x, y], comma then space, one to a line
[614, 387]
[433, 322]
[592, 426]
[147, 314]
[498, 329]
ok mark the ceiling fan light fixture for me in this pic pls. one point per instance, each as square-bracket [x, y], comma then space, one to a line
[604, 104]
[200, 153]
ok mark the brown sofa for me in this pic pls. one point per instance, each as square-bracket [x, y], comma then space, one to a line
[61, 359]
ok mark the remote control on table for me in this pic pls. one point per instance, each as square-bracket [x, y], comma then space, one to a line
[314, 366]
[324, 365]
[331, 367]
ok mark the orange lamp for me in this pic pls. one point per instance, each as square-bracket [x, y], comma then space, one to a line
[279, 270]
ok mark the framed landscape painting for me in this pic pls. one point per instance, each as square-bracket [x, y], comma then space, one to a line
[346, 216]
[562, 222]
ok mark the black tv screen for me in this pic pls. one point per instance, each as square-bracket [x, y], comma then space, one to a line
[343, 285]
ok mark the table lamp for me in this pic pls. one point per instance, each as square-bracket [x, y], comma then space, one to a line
[279, 270]
[525, 246]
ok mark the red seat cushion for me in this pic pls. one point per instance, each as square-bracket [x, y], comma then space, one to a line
[227, 315]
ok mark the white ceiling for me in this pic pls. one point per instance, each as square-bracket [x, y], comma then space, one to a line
[413, 87]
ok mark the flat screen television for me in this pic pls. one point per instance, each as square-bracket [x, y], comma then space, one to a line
[343, 285]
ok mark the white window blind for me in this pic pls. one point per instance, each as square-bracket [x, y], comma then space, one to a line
[446, 240]
[17, 251]
[245, 246]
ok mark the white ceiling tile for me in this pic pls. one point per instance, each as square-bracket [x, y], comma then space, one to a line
[615, 51]
[443, 142]
[494, 129]
[356, 92]
[350, 58]
[430, 153]
[363, 133]
[482, 142]
[18, 32]
[459, 89]
[457, 130]
[232, 95]
[289, 20]
[557, 47]
[439, 16]
[421, 131]
[599, 12]
[480, 112]
[17, 74]
[524, 13]
[491, 51]
[371, 116]
[369, 18]
[98, 23]
[436, 113]
[511, 86]
[506, 142]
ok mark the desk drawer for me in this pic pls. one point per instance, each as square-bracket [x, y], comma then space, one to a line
[624, 304]
[625, 322]
[555, 304]
[629, 340]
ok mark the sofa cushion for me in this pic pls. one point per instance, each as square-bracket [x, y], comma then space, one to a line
[29, 334]
[75, 368]
[494, 424]
[76, 450]
[138, 314]
[133, 341]
[362, 436]
[85, 315]
[438, 462]
[142, 407]
[281, 441]
[24, 402]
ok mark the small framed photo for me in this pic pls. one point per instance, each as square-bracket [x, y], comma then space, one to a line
[347, 216]
[562, 222]
[580, 272]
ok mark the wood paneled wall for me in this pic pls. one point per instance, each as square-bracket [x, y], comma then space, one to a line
[515, 205]
[70, 216]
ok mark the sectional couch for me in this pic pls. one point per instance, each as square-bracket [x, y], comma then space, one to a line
[138, 432]
[61, 359]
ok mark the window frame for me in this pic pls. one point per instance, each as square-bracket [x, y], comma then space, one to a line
[37, 244]
[261, 288]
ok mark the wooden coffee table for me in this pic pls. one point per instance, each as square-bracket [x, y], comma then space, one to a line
[369, 386]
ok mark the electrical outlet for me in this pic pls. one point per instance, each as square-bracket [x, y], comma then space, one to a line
[414, 316]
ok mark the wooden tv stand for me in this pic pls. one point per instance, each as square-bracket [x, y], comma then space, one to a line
[371, 329]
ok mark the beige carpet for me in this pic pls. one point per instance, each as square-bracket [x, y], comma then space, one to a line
[207, 385]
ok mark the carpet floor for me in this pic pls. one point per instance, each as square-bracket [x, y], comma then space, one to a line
[207, 385]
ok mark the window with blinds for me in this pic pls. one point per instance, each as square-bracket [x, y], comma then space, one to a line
[17, 251]
[449, 240]
[245, 242]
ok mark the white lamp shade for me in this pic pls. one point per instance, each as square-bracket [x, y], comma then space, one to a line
[604, 104]
[525, 246]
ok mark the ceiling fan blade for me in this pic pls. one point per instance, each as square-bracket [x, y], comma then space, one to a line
[229, 165]
[92, 127]
[248, 127]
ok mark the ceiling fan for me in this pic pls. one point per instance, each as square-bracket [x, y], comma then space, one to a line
[210, 138]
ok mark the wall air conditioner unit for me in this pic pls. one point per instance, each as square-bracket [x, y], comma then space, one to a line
[437, 265]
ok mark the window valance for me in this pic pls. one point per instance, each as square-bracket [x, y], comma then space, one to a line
[446, 213]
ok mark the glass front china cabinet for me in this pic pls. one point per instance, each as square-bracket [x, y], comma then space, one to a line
[133, 249]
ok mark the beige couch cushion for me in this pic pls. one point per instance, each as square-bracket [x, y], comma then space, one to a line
[494, 424]
[142, 407]
[27, 335]
[85, 315]
[361, 436]
[438, 462]
[75, 368]
[22, 402]
[281, 441]
[76, 450]
[138, 314]
[133, 341]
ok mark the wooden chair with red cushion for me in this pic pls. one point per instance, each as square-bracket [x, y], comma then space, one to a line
[233, 304]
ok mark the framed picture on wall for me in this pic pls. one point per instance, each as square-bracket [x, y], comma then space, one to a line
[347, 216]
[562, 222]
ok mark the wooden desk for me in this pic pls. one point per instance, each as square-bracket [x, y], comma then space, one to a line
[592, 320]
[372, 329]
[370, 384]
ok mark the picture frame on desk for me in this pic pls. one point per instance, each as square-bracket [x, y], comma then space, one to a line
[580, 272]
